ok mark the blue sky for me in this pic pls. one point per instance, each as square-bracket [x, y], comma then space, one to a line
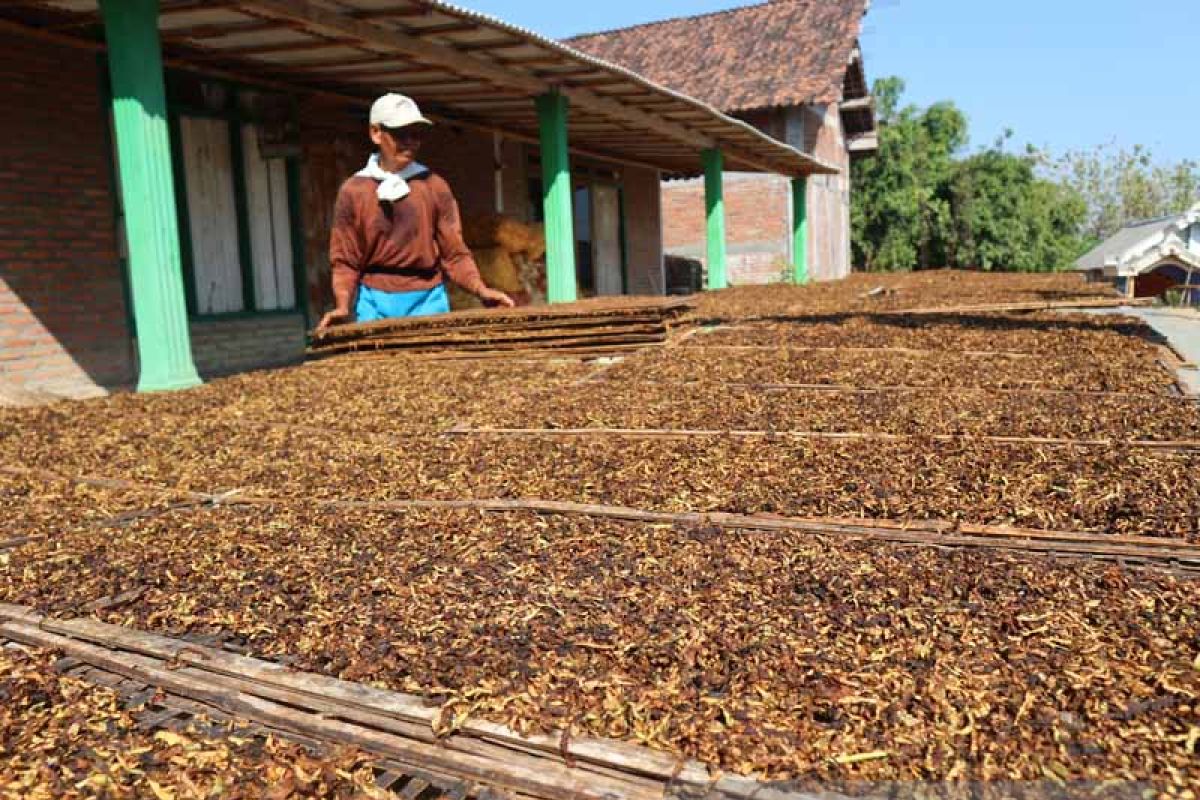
[1061, 73]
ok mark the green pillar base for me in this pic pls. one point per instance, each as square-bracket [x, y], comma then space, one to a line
[152, 383]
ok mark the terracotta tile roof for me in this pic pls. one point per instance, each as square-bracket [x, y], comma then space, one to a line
[779, 53]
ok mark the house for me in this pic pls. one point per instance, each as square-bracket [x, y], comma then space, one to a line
[791, 68]
[169, 169]
[1145, 259]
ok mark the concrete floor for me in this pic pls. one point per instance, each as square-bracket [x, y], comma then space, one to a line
[1181, 326]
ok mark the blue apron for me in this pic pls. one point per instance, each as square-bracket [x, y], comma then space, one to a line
[373, 304]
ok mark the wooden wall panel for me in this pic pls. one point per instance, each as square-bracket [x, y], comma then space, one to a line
[270, 226]
[212, 215]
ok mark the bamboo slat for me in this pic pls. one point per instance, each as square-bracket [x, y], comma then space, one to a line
[188, 674]
[685, 433]
[1081, 303]
[1149, 550]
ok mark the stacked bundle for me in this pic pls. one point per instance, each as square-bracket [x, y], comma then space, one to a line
[590, 327]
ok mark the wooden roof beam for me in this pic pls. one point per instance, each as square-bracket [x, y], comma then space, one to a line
[320, 20]
[406, 11]
[366, 72]
[494, 44]
[283, 47]
[331, 64]
[859, 103]
[442, 30]
[85, 18]
[340, 98]
[528, 60]
[217, 30]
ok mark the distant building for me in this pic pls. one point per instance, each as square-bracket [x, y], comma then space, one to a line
[791, 68]
[1145, 259]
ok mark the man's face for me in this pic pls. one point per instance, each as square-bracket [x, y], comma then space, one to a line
[398, 147]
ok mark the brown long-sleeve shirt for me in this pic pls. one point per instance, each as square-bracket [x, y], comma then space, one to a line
[404, 246]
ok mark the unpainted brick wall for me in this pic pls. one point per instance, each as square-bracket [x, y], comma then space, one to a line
[758, 213]
[239, 344]
[757, 224]
[63, 319]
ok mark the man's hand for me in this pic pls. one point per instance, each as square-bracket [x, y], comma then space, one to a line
[494, 297]
[338, 316]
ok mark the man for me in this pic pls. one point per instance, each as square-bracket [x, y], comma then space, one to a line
[396, 230]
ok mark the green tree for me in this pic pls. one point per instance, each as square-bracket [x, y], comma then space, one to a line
[1007, 218]
[1120, 185]
[901, 211]
[917, 203]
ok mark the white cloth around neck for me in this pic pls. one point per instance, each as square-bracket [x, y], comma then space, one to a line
[393, 186]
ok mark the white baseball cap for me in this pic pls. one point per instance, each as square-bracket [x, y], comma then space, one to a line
[396, 111]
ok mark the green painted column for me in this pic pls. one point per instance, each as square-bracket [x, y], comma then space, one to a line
[800, 231]
[556, 199]
[148, 195]
[714, 207]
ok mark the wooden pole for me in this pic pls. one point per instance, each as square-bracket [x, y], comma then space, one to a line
[714, 206]
[556, 199]
[148, 195]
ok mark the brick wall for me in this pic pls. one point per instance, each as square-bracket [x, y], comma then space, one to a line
[757, 224]
[758, 216]
[239, 344]
[62, 312]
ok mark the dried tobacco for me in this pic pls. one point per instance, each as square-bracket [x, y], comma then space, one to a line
[787, 654]
[1059, 334]
[777, 653]
[1117, 490]
[860, 293]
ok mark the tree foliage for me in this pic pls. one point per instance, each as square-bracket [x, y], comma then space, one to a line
[922, 202]
[1006, 218]
[1122, 185]
[900, 211]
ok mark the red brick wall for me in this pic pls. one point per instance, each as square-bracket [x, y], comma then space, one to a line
[757, 224]
[62, 312]
[758, 213]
